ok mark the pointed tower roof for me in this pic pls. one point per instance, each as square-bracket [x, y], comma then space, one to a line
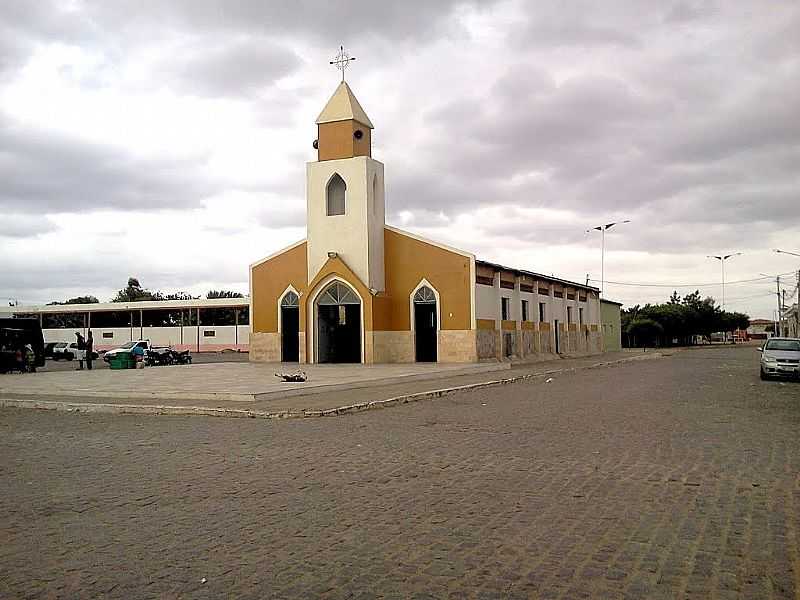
[343, 106]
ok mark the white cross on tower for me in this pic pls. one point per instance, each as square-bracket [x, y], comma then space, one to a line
[342, 60]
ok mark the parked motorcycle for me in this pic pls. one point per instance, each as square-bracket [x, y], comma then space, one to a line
[158, 357]
[181, 357]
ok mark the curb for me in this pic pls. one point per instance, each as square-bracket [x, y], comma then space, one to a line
[140, 409]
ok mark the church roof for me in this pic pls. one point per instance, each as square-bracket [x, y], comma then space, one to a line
[343, 106]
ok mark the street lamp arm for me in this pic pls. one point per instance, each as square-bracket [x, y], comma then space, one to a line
[785, 252]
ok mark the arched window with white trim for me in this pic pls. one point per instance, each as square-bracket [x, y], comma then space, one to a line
[425, 295]
[336, 193]
[290, 299]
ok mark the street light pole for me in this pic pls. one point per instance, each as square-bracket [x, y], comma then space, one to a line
[602, 230]
[722, 260]
[780, 315]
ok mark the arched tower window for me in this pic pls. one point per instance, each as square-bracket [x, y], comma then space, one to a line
[374, 194]
[335, 193]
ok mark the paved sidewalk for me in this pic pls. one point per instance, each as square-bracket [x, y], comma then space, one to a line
[335, 399]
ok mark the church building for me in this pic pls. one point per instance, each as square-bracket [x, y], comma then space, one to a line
[357, 290]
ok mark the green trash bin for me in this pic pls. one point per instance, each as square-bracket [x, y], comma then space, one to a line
[123, 360]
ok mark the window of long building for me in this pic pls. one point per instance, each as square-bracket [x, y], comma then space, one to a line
[504, 309]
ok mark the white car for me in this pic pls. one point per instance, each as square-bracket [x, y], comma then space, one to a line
[126, 348]
[67, 351]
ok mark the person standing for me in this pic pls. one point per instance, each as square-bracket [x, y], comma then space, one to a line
[30, 358]
[89, 350]
[81, 346]
[19, 359]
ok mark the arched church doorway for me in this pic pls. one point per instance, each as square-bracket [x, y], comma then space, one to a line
[425, 324]
[290, 327]
[338, 325]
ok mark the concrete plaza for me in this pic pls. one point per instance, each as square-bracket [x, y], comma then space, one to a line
[253, 391]
[227, 382]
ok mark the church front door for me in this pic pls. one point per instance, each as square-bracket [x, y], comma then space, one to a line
[338, 325]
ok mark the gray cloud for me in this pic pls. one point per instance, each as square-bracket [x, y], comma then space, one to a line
[326, 22]
[233, 68]
[679, 116]
[42, 172]
[22, 225]
[691, 136]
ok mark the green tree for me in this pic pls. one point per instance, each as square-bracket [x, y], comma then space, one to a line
[213, 294]
[133, 292]
[180, 296]
[76, 300]
[83, 300]
[680, 320]
[645, 332]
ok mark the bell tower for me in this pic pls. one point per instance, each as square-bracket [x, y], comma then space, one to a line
[343, 128]
[345, 205]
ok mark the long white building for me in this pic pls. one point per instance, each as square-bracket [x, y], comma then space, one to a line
[197, 325]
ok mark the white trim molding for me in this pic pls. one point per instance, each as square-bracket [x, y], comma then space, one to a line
[274, 254]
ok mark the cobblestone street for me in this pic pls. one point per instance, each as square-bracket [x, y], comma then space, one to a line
[668, 478]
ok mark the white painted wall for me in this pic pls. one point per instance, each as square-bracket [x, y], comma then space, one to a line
[65, 335]
[357, 235]
[486, 302]
[160, 336]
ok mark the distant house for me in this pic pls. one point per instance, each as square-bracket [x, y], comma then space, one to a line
[790, 322]
[758, 329]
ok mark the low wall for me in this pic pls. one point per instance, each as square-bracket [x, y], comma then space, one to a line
[393, 346]
[265, 347]
[487, 342]
[458, 346]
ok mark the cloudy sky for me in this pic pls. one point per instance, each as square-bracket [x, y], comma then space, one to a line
[168, 140]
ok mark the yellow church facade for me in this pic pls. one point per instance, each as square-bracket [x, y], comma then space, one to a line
[357, 290]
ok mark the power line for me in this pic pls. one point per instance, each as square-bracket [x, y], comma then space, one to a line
[690, 285]
[744, 298]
